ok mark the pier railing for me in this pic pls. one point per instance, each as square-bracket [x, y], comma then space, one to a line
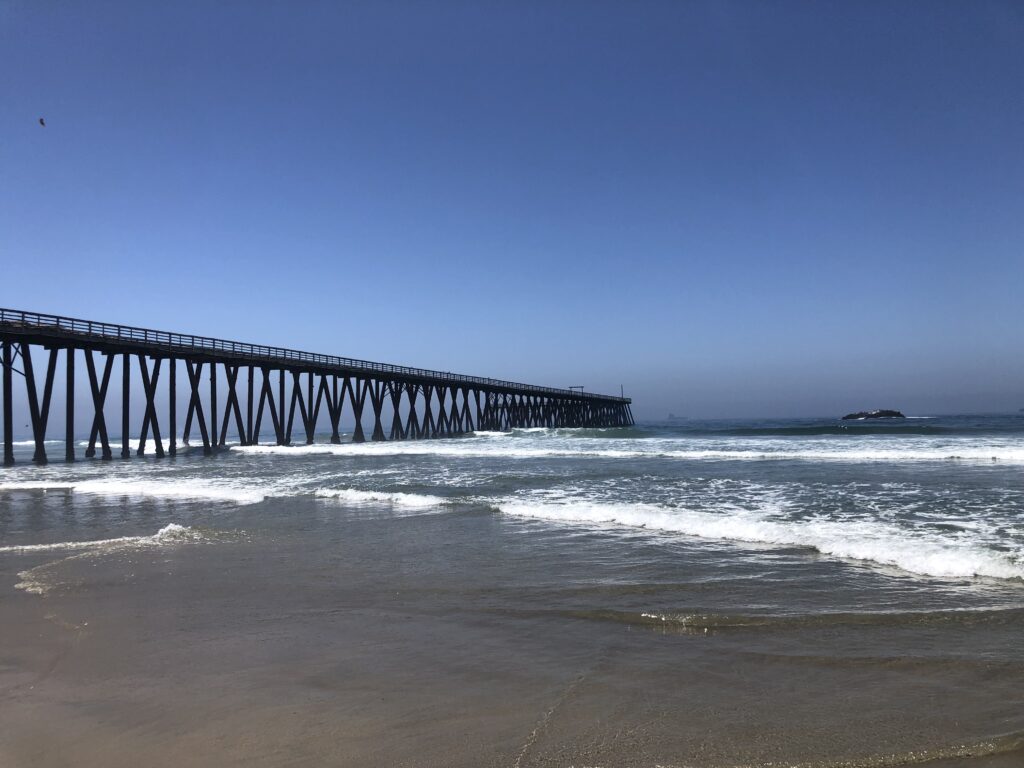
[190, 344]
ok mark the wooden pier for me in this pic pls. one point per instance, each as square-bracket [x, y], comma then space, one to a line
[283, 391]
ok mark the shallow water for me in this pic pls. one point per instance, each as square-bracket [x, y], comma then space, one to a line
[713, 593]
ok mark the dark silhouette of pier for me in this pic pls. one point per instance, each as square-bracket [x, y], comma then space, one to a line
[397, 402]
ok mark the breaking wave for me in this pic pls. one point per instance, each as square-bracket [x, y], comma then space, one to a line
[1011, 452]
[864, 540]
[170, 534]
[398, 499]
[44, 579]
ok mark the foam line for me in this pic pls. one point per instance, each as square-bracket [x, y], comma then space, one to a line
[165, 489]
[770, 451]
[872, 541]
[169, 534]
[398, 499]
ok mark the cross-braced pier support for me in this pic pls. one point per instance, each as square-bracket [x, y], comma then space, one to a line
[289, 392]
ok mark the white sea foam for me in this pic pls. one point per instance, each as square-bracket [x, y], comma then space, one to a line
[353, 496]
[895, 454]
[170, 534]
[37, 485]
[854, 451]
[43, 579]
[865, 540]
[133, 443]
[462, 448]
[167, 489]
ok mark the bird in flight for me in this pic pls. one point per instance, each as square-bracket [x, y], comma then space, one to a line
[42, 122]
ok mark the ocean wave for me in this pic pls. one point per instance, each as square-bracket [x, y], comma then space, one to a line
[46, 578]
[893, 454]
[133, 442]
[896, 452]
[37, 485]
[448, 447]
[703, 622]
[708, 622]
[396, 498]
[170, 534]
[165, 489]
[863, 540]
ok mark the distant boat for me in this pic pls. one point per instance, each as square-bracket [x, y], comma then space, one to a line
[673, 417]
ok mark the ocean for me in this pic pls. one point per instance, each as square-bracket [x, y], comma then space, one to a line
[702, 593]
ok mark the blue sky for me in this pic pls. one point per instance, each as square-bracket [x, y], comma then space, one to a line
[730, 208]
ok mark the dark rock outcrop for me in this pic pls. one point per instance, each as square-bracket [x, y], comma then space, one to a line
[879, 414]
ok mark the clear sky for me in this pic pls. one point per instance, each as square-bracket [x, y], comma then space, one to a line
[731, 208]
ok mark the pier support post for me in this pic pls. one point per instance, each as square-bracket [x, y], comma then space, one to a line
[442, 412]
[231, 407]
[310, 422]
[172, 407]
[8, 406]
[322, 395]
[213, 402]
[412, 424]
[69, 405]
[149, 418]
[377, 402]
[427, 423]
[358, 399]
[99, 399]
[454, 421]
[395, 390]
[296, 400]
[248, 411]
[126, 370]
[266, 396]
[282, 438]
[336, 410]
[195, 376]
[39, 413]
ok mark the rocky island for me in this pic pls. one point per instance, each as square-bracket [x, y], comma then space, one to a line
[878, 414]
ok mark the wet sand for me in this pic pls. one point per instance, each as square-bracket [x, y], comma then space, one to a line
[455, 640]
